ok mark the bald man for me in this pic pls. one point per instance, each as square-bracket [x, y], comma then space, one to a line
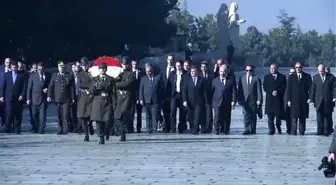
[323, 95]
[223, 100]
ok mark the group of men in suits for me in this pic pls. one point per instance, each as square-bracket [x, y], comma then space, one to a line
[289, 99]
[194, 92]
[205, 98]
[19, 87]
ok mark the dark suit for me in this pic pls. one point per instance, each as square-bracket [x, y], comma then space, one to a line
[298, 95]
[322, 94]
[274, 107]
[167, 89]
[2, 105]
[176, 102]
[223, 96]
[195, 94]
[208, 116]
[61, 89]
[137, 108]
[38, 99]
[332, 148]
[11, 91]
[150, 94]
[249, 93]
[74, 126]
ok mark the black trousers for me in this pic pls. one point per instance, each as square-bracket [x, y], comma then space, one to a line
[271, 117]
[30, 108]
[62, 110]
[166, 115]
[2, 114]
[13, 116]
[222, 119]
[39, 115]
[208, 118]
[151, 120]
[195, 119]
[324, 121]
[137, 109]
[176, 102]
[302, 125]
[74, 125]
[250, 118]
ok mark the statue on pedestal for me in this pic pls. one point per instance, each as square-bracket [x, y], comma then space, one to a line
[233, 25]
[223, 32]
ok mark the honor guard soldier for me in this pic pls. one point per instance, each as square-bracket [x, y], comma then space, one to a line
[126, 86]
[62, 90]
[85, 99]
[104, 99]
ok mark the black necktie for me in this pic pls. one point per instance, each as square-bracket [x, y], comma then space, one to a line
[41, 78]
[150, 81]
[223, 82]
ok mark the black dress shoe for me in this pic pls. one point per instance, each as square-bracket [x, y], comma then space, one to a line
[138, 131]
[217, 132]
[271, 133]
[102, 141]
[246, 133]
[59, 133]
[279, 129]
[86, 139]
[107, 137]
[123, 137]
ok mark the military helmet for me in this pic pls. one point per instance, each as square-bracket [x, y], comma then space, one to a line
[125, 60]
[103, 65]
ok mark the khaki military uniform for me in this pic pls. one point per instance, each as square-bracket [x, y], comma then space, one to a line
[126, 86]
[85, 99]
[104, 100]
[62, 90]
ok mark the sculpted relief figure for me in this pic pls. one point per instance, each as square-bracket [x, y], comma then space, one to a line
[234, 22]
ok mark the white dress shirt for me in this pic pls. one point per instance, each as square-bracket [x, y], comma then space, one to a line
[248, 79]
[178, 81]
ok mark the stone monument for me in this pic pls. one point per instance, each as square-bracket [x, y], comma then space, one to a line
[233, 27]
[222, 24]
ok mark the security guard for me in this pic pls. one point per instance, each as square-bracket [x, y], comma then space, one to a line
[62, 90]
[126, 86]
[103, 90]
[84, 102]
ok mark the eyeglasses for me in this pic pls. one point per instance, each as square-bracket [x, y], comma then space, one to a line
[298, 67]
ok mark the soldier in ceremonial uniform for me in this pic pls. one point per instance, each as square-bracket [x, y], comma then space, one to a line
[85, 99]
[126, 85]
[62, 90]
[104, 99]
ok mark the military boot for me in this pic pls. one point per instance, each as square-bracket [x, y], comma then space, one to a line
[102, 141]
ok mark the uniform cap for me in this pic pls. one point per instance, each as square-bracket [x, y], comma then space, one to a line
[61, 63]
[103, 65]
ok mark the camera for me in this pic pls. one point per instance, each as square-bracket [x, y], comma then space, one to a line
[328, 166]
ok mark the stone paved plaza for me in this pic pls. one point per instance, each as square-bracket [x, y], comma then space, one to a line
[165, 159]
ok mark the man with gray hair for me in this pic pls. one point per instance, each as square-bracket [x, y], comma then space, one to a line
[323, 95]
[223, 100]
